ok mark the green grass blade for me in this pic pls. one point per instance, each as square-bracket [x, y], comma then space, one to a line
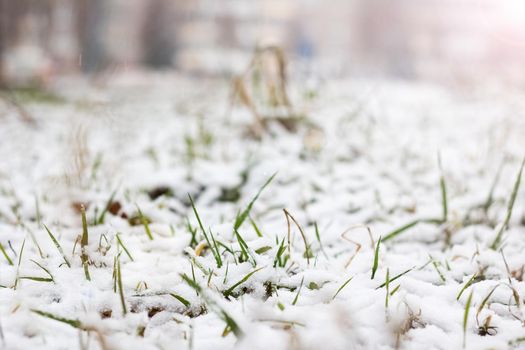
[400, 230]
[485, 300]
[376, 259]
[396, 277]
[228, 292]
[73, 323]
[124, 247]
[181, 299]
[50, 279]
[101, 218]
[395, 290]
[342, 287]
[436, 267]
[255, 227]
[469, 282]
[387, 287]
[84, 244]
[145, 223]
[244, 214]
[19, 262]
[120, 290]
[9, 261]
[214, 251]
[490, 196]
[495, 244]
[298, 292]
[58, 246]
[443, 188]
[465, 318]
[230, 322]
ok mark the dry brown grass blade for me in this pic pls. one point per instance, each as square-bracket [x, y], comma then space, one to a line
[306, 245]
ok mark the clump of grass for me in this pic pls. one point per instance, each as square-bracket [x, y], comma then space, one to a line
[58, 246]
[279, 259]
[465, 318]
[145, 223]
[376, 259]
[213, 247]
[244, 248]
[231, 324]
[497, 240]
[84, 244]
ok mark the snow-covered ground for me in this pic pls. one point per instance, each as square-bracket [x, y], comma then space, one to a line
[362, 164]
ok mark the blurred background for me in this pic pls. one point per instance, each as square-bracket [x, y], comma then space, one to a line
[449, 41]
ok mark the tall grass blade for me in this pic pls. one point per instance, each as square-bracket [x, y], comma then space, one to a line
[101, 218]
[120, 290]
[495, 244]
[342, 287]
[298, 292]
[469, 282]
[145, 223]
[84, 241]
[376, 259]
[244, 214]
[58, 246]
[214, 251]
[124, 247]
[465, 318]
[443, 188]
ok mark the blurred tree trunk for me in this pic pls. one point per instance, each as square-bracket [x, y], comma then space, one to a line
[158, 41]
[89, 23]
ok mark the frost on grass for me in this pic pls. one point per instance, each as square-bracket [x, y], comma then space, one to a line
[158, 222]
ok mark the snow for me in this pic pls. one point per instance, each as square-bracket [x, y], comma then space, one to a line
[367, 158]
